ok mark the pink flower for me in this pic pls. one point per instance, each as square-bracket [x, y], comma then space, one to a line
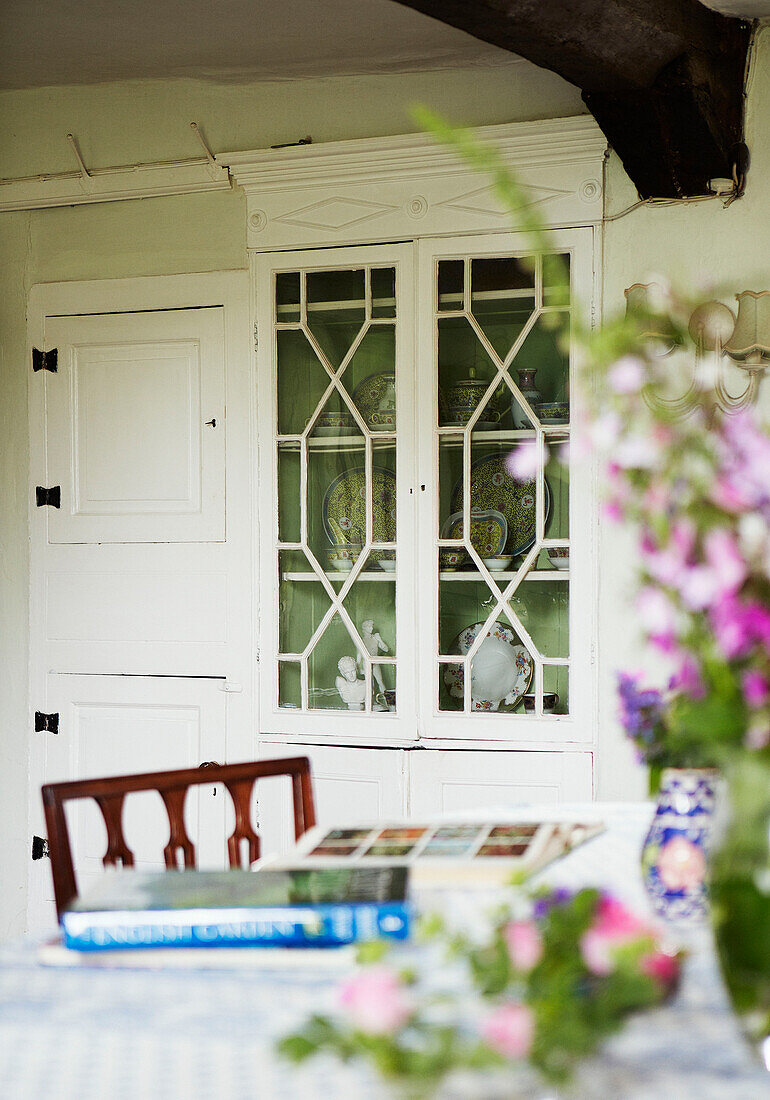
[738, 626]
[521, 463]
[687, 677]
[730, 626]
[656, 612]
[375, 1000]
[758, 734]
[725, 559]
[681, 865]
[510, 1030]
[668, 564]
[627, 374]
[756, 690]
[525, 944]
[639, 452]
[661, 966]
[699, 587]
[612, 510]
[613, 927]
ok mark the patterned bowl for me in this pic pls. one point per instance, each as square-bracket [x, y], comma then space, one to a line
[450, 558]
[383, 420]
[552, 412]
[558, 556]
[334, 423]
[343, 557]
[550, 702]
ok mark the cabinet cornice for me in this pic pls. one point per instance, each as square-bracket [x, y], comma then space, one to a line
[408, 186]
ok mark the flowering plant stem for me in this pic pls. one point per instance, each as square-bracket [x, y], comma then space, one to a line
[558, 973]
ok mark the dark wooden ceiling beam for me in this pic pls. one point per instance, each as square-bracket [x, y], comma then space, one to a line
[663, 78]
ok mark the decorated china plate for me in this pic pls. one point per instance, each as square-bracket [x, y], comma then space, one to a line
[501, 672]
[493, 488]
[489, 531]
[375, 399]
[344, 506]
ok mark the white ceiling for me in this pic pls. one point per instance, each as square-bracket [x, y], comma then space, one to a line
[51, 42]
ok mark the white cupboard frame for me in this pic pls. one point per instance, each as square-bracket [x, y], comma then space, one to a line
[414, 190]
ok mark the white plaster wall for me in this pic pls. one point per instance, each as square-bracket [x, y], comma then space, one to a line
[124, 123]
[709, 251]
[141, 121]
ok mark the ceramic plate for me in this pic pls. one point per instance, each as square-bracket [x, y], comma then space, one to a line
[375, 399]
[492, 487]
[489, 531]
[344, 506]
[521, 676]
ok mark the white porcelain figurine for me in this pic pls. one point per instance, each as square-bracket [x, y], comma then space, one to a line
[374, 645]
[352, 690]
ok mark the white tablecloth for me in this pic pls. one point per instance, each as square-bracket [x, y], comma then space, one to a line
[137, 1035]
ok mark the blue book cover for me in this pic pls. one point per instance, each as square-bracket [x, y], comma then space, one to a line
[290, 908]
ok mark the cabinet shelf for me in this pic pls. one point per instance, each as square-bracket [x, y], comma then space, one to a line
[450, 436]
[453, 435]
[380, 441]
[467, 575]
[454, 299]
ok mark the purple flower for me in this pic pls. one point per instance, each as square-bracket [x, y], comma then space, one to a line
[640, 710]
[543, 905]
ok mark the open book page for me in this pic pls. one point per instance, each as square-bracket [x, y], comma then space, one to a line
[443, 852]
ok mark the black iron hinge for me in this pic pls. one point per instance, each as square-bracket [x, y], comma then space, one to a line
[46, 723]
[45, 360]
[50, 496]
[39, 847]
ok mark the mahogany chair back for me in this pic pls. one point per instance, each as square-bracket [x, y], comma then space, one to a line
[109, 795]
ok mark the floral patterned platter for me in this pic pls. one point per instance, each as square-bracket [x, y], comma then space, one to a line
[492, 487]
[375, 399]
[519, 676]
[489, 531]
[344, 506]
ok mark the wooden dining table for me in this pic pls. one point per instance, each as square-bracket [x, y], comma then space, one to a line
[79, 1033]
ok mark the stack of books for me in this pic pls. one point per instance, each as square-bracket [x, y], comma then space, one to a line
[287, 908]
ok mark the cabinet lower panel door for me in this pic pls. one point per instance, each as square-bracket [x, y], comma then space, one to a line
[448, 782]
[349, 785]
[121, 725]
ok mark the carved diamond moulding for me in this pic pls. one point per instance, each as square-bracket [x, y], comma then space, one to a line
[352, 192]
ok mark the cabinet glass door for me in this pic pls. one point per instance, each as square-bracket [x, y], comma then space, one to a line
[501, 559]
[336, 539]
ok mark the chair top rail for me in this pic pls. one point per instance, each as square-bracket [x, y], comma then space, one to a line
[169, 780]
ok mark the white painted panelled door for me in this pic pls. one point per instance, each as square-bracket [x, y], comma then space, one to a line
[448, 782]
[119, 725]
[135, 432]
[349, 785]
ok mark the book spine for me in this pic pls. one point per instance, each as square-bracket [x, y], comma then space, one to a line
[289, 926]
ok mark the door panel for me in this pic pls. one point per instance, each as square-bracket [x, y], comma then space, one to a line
[121, 725]
[135, 427]
[447, 782]
[349, 784]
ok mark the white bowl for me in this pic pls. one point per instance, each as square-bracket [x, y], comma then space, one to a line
[497, 565]
[560, 560]
[388, 564]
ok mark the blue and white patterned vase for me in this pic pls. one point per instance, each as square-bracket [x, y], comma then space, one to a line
[675, 852]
